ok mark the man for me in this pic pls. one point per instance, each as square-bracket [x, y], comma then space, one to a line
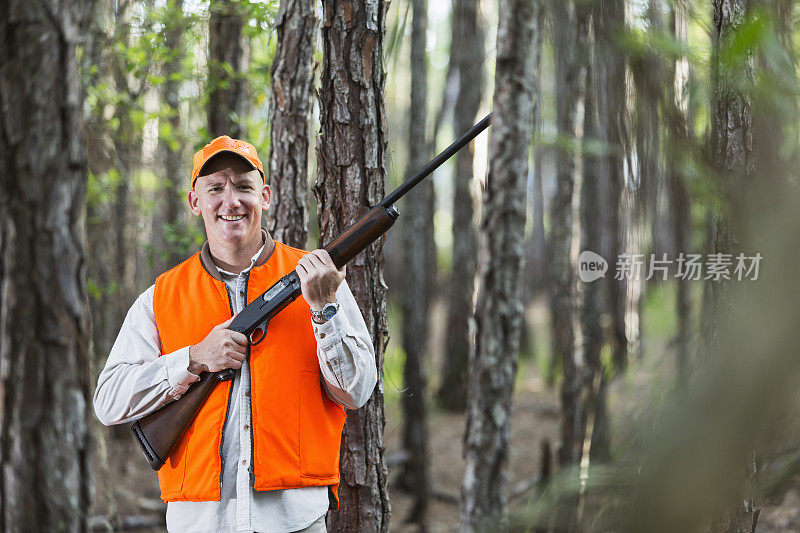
[263, 453]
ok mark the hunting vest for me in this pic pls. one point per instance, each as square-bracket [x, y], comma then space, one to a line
[296, 428]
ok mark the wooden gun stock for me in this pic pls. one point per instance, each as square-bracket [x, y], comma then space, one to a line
[158, 432]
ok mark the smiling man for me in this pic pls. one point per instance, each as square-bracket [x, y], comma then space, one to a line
[263, 452]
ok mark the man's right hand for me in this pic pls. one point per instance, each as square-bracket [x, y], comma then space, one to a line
[222, 348]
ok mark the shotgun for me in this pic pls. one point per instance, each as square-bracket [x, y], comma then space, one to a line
[158, 432]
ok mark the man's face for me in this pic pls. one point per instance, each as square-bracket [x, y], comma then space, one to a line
[230, 198]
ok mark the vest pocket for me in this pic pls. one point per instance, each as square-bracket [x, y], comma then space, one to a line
[320, 429]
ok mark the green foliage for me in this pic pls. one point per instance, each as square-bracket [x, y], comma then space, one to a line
[180, 240]
[259, 79]
[395, 34]
[101, 188]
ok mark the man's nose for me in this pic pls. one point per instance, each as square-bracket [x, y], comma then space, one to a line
[231, 197]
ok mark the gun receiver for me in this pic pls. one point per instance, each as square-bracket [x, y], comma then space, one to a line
[159, 432]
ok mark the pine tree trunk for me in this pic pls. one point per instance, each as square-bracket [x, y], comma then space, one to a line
[226, 92]
[607, 89]
[290, 107]
[351, 175]
[167, 215]
[45, 429]
[499, 313]
[467, 51]
[732, 150]
[570, 53]
[417, 234]
[681, 212]
[594, 295]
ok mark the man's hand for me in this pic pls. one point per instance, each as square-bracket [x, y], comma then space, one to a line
[222, 348]
[319, 278]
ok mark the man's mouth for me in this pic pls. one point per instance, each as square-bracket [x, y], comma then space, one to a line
[231, 218]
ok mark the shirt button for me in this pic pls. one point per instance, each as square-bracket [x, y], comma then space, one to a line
[321, 335]
[246, 427]
[247, 393]
[244, 462]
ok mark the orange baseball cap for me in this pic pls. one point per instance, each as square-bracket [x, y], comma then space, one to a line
[225, 144]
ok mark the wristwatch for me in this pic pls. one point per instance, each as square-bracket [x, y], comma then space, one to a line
[326, 313]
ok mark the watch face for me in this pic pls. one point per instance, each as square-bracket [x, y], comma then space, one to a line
[329, 310]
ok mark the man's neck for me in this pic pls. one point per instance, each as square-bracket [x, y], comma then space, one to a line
[235, 257]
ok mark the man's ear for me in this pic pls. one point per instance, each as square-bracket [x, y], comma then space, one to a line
[194, 202]
[266, 195]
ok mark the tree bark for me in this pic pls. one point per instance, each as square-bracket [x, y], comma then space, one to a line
[594, 189]
[499, 313]
[609, 74]
[226, 87]
[569, 37]
[45, 429]
[167, 215]
[351, 176]
[607, 93]
[417, 276]
[467, 51]
[290, 107]
[734, 157]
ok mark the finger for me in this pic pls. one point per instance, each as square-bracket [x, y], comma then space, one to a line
[316, 262]
[239, 338]
[236, 365]
[302, 272]
[324, 256]
[238, 356]
[227, 323]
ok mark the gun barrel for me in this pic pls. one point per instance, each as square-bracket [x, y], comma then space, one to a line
[437, 161]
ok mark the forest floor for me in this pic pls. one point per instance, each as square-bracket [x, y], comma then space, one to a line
[127, 490]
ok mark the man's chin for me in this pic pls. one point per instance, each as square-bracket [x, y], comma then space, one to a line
[236, 235]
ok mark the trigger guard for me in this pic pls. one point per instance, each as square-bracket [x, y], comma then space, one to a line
[261, 328]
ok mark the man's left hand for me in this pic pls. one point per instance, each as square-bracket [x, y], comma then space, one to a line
[319, 278]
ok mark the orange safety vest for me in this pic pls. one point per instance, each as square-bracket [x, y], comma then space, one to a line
[296, 428]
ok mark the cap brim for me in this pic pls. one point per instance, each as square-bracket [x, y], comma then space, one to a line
[240, 156]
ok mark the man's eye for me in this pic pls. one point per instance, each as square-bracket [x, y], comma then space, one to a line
[215, 189]
[245, 188]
